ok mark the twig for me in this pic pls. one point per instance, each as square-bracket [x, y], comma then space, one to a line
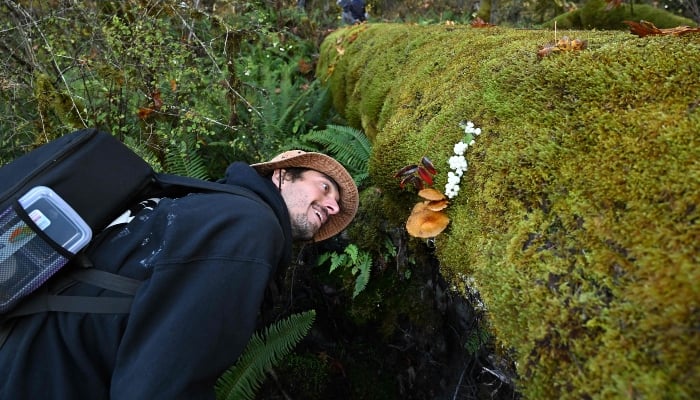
[272, 373]
[53, 60]
[459, 383]
[206, 50]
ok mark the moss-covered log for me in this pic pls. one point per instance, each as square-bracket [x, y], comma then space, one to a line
[578, 218]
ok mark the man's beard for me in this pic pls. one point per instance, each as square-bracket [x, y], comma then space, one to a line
[301, 228]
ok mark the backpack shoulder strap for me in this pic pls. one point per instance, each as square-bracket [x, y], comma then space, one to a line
[43, 300]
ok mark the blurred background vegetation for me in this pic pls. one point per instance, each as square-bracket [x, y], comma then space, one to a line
[194, 85]
[173, 77]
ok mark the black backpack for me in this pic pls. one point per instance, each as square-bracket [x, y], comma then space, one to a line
[54, 199]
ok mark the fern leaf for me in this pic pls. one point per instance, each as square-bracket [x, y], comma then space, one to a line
[348, 145]
[337, 260]
[185, 160]
[352, 250]
[265, 350]
[364, 266]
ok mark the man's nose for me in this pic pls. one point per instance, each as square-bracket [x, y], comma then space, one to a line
[331, 206]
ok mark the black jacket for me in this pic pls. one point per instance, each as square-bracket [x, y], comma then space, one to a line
[206, 260]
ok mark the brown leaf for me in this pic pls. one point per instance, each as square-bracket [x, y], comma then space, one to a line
[157, 101]
[411, 180]
[407, 170]
[480, 23]
[578, 44]
[428, 165]
[544, 51]
[563, 44]
[144, 112]
[305, 67]
[646, 28]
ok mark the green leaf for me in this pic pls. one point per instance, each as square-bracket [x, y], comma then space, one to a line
[243, 380]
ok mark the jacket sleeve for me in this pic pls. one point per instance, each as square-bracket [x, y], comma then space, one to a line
[194, 316]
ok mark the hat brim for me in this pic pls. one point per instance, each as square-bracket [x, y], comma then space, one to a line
[349, 197]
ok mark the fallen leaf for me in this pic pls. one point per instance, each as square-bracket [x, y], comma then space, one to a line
[563, 44]
[646, 28]
[480, 23]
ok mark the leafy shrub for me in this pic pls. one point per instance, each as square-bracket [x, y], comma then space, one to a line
[171, 78]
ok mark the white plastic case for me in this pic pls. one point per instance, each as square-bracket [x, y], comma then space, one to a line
[56, 218]
[26, 259]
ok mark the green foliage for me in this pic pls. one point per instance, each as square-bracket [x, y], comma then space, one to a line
[359, 262]
[184, 159]
[233, 83]
[263, 352]
[476, 339]
[346, 144]
[577, 216]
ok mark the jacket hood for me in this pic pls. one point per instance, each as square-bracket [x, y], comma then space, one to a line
[243, 175]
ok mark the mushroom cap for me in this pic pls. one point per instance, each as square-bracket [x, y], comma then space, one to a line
[431, 194]
[424, 222]
[437, 205]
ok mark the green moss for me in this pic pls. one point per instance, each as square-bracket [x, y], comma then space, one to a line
[578, 215]
[315, 372]
[595, 15]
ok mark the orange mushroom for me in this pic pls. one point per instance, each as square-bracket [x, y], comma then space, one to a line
[424, 222]
[437, 205]
[431, 194]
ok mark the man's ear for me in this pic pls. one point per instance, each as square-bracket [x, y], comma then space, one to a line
[276, 173]
[278, 176]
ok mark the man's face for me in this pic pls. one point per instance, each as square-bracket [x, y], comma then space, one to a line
[311, 200]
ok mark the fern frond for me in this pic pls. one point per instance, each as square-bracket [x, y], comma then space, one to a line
[364, 267]
[338, 260]
[265, 350]
[352, 250]
[184, 159]
[348, 145]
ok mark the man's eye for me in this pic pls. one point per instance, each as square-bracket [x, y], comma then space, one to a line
[325, 187]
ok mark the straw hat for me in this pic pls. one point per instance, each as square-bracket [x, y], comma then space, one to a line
[349, 197]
